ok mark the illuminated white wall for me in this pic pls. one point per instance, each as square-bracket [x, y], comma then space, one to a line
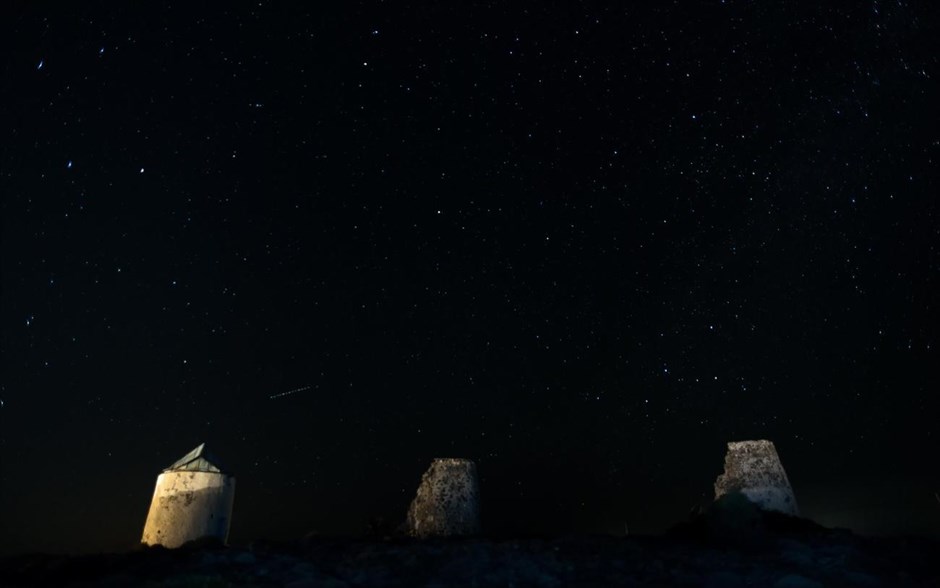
[189, 505]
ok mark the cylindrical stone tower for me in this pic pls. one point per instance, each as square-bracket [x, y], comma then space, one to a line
[448, 501]
[192, 500]
[753, 469]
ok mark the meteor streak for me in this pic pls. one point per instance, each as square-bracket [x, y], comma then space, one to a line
[289, 392]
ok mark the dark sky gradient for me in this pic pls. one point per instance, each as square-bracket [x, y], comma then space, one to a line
[583, 244]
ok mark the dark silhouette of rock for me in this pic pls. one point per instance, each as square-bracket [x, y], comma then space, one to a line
[736, 521]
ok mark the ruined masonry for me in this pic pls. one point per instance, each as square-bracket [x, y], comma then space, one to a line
[754, 469]
[448, 501]
[192, 500]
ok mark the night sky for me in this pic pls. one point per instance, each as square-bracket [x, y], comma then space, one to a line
[580, 243]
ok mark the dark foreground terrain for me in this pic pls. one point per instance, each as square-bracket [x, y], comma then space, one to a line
[719, 549]
[845, 561]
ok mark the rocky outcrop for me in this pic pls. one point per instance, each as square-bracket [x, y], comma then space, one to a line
[447, 503]
[753, 469]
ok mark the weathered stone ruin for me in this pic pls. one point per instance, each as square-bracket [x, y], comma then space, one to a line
[753, 469]
[192, 500]
[447, 503]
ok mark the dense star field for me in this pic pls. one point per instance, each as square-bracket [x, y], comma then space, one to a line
[582, 244]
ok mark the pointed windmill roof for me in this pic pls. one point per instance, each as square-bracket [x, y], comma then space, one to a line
[197, 460]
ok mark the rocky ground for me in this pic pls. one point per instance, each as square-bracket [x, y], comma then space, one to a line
[723, 548]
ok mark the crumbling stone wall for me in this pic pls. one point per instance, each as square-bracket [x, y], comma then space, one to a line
[447, 503]
[753, 469]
